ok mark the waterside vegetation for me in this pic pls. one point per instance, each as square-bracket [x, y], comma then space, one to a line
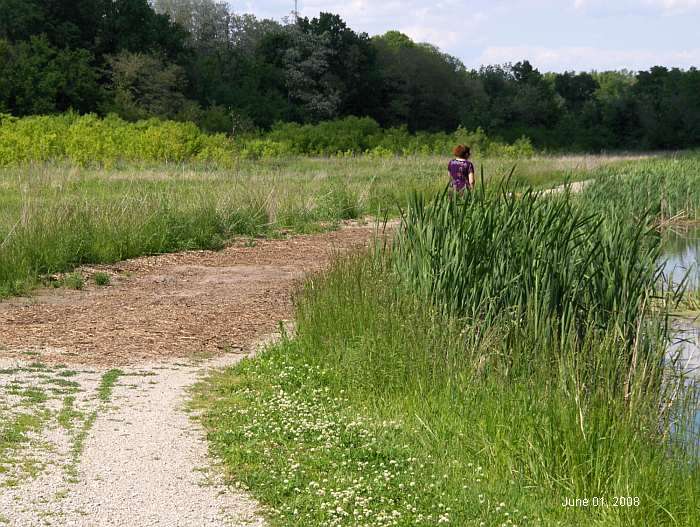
[503, 358]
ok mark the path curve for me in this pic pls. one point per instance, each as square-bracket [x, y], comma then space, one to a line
[136, 458]
[171, 305]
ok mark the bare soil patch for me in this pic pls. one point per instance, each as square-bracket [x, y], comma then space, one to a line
[175, 305]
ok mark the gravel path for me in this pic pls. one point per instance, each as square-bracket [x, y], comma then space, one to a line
[85, 445]
[141, 458]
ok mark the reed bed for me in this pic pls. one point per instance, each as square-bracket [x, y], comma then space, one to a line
[668, 188]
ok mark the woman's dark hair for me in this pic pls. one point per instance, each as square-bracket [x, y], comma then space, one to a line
[461, 151]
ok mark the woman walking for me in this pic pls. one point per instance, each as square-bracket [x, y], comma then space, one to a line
[461, 170]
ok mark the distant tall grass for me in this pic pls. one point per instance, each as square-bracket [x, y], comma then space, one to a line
[666, 187]
[53, 218]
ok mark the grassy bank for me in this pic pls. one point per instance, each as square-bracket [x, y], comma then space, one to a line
[54, 217]
[501, 358]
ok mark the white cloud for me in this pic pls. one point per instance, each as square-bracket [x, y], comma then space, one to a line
[438, 37]
[668, 7]
[553, 34]
[437, 23]
[588, 58]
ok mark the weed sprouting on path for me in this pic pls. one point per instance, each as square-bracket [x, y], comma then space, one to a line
[109, 379]
[36, 398]
[67, 414]
[14, 430]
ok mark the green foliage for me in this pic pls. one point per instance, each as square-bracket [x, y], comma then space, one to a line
[234, 73]
[102, 279]
[90, 141]
[101, 27]
[327, 138]
[423, 88]
[73, 281]
[37, 78]
[355, 136]
[265, 148]
[143, 86]
[668, 107]
[351, 64]
[385, 402]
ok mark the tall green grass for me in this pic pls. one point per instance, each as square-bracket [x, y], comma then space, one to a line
[515, 347]
[485, 256]
[54, 217]
[667, 187]
[54, 225]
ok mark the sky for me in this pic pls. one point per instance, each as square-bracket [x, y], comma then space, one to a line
[555, 35]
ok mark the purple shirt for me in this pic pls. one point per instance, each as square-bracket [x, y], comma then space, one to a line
[459, 173]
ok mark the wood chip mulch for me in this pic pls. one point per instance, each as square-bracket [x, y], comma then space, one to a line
[175, 305]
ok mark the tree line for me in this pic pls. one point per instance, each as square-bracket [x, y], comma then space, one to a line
[197, 60]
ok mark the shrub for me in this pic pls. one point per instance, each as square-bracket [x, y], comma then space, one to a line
[91, 141]
[74, 281]
[102, 279]
[265, 148]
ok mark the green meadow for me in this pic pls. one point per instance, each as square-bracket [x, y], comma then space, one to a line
[497, 359]
[56, 216]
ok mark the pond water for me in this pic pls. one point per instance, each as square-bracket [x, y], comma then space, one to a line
[684, 354]
[681, 260]
[682, 257]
